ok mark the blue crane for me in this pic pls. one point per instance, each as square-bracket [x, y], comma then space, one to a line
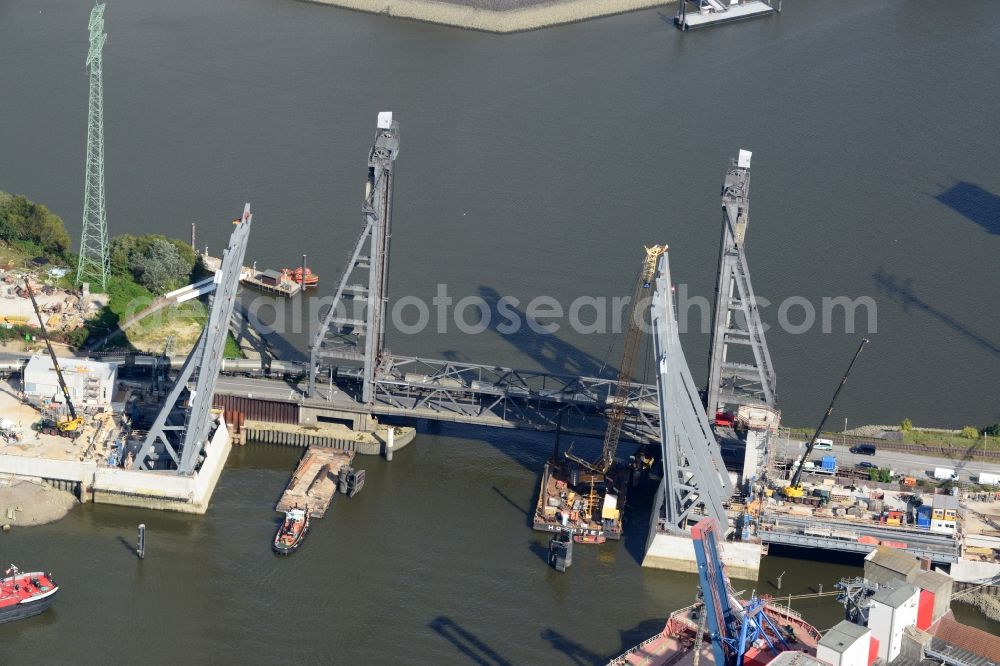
[733, 626]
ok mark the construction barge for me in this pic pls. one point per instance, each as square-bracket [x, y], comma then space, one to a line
[583, 504]
[320, 474]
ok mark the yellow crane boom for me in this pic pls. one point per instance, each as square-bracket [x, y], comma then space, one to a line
[633, 336]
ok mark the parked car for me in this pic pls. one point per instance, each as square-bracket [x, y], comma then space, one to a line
[823, 445]
[865, 465]
[863, 449]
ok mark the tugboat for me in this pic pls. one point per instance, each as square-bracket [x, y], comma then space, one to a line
[25, 594]
[292, 531]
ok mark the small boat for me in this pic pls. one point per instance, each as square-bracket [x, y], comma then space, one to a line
[292, 531]
[25, 594]
[295, 275]
[589, 538]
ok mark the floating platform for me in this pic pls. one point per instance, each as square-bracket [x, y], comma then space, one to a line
[714, 12]
[268, 281]
[314, 482]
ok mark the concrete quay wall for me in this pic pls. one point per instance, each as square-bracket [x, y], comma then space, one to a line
[676, 553]
[149, 489]
[166, 490]
[328, 435]
[477, 14]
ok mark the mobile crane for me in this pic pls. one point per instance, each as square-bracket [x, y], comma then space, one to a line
[619, 403]
[66, 427]
[794, 489]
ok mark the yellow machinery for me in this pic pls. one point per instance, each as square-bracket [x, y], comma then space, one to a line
[67, 427]
[794, 490]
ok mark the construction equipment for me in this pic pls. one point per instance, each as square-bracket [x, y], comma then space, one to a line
[67, 427]
[619, 403]
[733, 625]
[794, 490]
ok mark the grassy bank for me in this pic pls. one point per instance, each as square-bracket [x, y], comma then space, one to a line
[928, 442]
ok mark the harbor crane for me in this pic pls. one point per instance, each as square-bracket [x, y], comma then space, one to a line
[619, 403]
[794, 489]
[67, 427]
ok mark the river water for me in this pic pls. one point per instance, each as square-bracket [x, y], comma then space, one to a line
[531, 165]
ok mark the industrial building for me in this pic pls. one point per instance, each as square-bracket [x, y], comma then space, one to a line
[847, 644]
[884, 565]
[91, 384]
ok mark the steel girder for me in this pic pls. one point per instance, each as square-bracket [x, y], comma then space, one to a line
[183, 431]
[694, 475]
[527, 398]
[737, 319]
[340, 334]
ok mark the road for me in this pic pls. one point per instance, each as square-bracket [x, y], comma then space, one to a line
[906, 464]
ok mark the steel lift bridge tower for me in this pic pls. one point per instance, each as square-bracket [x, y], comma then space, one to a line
[750, 379]
[696, 484]
[93, 264]
[340, 335]
[740, 371]
[695, 481]
[181, 431]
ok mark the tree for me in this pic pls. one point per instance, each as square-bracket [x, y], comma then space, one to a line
[906, 425]
[161, 267]
[992, 430]
[23, 220]
[968, 432]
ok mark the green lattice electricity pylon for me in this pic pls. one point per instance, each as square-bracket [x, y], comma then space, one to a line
[93, 266]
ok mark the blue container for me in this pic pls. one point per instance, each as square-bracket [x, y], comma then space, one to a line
[829, 462]
[924, 516]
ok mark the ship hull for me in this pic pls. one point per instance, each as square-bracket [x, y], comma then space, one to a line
[27, 608]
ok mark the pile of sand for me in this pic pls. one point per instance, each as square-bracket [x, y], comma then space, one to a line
[24, 503]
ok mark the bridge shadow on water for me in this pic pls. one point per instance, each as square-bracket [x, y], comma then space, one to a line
[551, 353]
[901, 291]
[975, 203]
[577, 653]
[466, 642]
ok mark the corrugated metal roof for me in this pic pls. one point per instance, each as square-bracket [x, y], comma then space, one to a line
[843, 635]
[894, 598]
[944, 502]
[894, 559]
[932, 580]
[794, 658]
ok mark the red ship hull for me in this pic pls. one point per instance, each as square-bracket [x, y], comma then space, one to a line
[24, 595]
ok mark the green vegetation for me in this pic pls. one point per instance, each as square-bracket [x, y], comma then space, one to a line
[232, 348]
[906, 425]
[29, 230]
[968, 432]
[158, 263]
[880, 474]
[141, 268]
[992, 430]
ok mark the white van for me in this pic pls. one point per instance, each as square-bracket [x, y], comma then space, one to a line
[823, 445]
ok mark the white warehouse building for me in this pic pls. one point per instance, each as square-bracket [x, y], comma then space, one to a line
[90, 383]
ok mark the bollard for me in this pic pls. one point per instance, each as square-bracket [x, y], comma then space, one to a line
[140, 548]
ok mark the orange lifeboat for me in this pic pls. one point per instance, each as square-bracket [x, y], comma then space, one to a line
[295, 275]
